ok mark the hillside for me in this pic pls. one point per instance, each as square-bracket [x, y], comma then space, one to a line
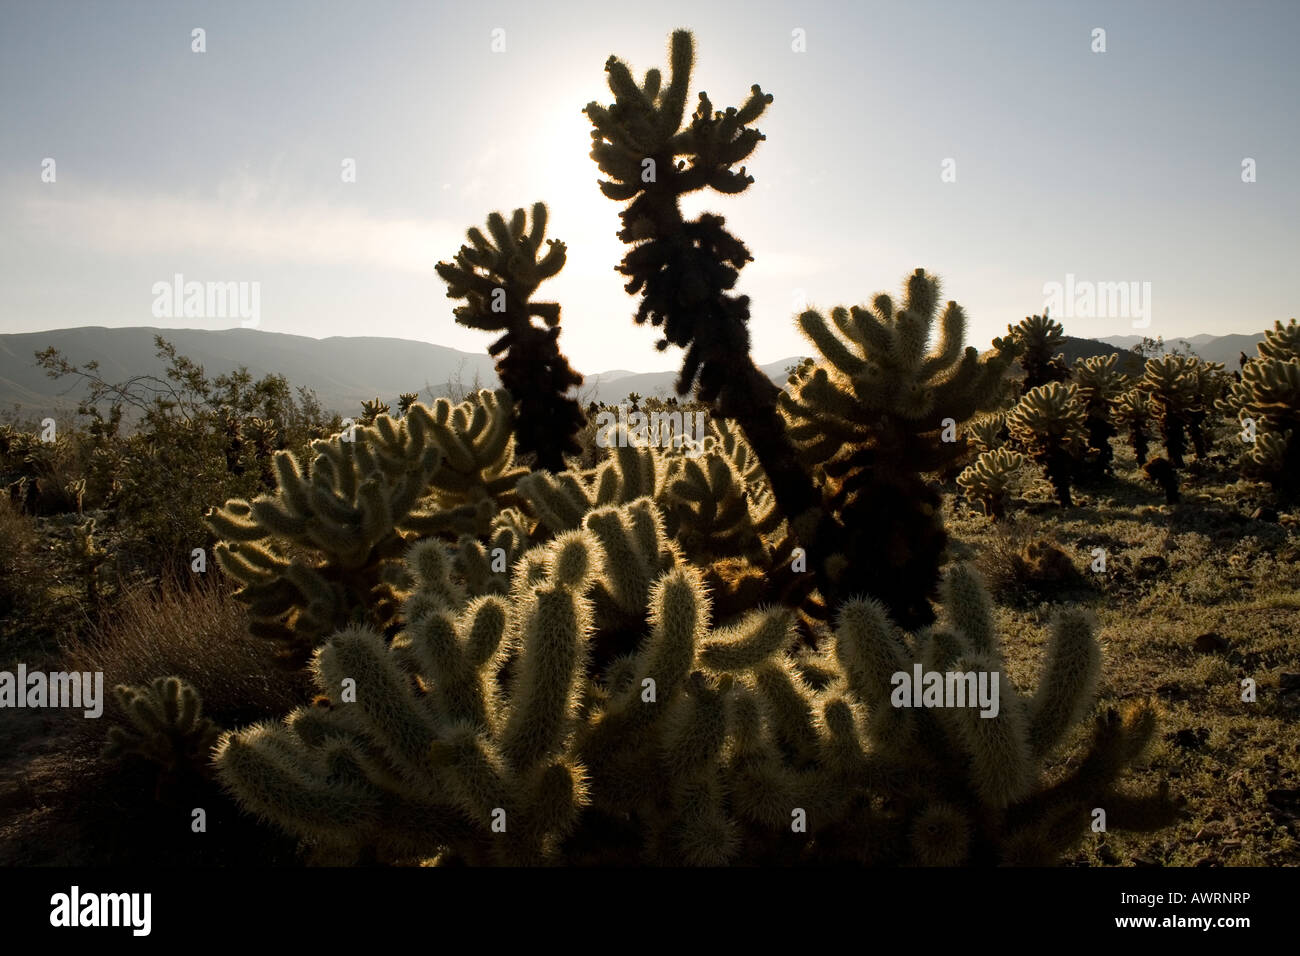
[344, 372]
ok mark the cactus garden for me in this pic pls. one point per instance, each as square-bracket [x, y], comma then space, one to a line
[932, 599]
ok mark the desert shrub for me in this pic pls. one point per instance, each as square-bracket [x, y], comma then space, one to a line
[198, 632]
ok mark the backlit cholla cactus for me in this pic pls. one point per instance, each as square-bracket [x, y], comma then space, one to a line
[1050, 423]
[990, 478]
[1173, 382]
[486, 732]
[164, 724]
[1134, 411]
[497, 278]
[988, 432]
[1100, 384]
[880, 415]
[321, 550]
[1038, 337]
[1267, 403]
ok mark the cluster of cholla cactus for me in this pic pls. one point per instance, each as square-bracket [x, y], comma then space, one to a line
[1038, 337]
[684, 654]
[991, 478]
[488, 732]
[497, 278]
[877, 418]
[1100, 386]
[320, 550]
[1051, 423]
[1267, 404]
[165, 725]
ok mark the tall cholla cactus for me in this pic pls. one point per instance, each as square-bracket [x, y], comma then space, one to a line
[989, 480]
[1134, 411]
[1182, 390]
[1038, 337]
[498, 278]
[1051, 424]
[1267, 403]
[321, 549]
[685, 269]
[873, 418]
[483, 734]
[1100, 384]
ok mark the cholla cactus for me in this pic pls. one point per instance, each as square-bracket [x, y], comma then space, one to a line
[1051, 424]
[1267, 403]
[1038, 336]
[873, 418]
[485, 733]
[988, 432]
[1134, 411]
[1100, 384]
[372, 409]
[1171, 381]
[165, 724]
[990, 478]
[497, 279]
[322, 548]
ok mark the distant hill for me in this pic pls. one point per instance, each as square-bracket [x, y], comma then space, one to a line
[344, 372]
[1213, 348]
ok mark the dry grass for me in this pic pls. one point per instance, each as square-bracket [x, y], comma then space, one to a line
[1173, 575]
[200, 634]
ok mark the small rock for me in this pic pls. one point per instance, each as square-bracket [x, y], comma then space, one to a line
[1207, 861]
[1287, 681]
[1210, 642]
[1264, 514]
[1107, 855]
[1144, 861]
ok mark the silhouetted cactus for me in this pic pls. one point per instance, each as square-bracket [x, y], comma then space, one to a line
[873, 420]
[164, 724]
[1100, 383]
[685, 269]
[1037, 337]
[1172, 383]
[1133, 410]
[497, 278]
[1050, 423]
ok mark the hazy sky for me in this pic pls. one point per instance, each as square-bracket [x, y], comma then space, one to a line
[1123, 166]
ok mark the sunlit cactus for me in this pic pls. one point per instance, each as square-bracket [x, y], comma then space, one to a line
[1171, 382]
[1050, 423]
[486, 733]
[1266, 403]
[988, 432]
[321, 550]
[497, 277]
[990, 478]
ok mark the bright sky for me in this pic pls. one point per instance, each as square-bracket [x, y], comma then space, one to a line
[1123, 166]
